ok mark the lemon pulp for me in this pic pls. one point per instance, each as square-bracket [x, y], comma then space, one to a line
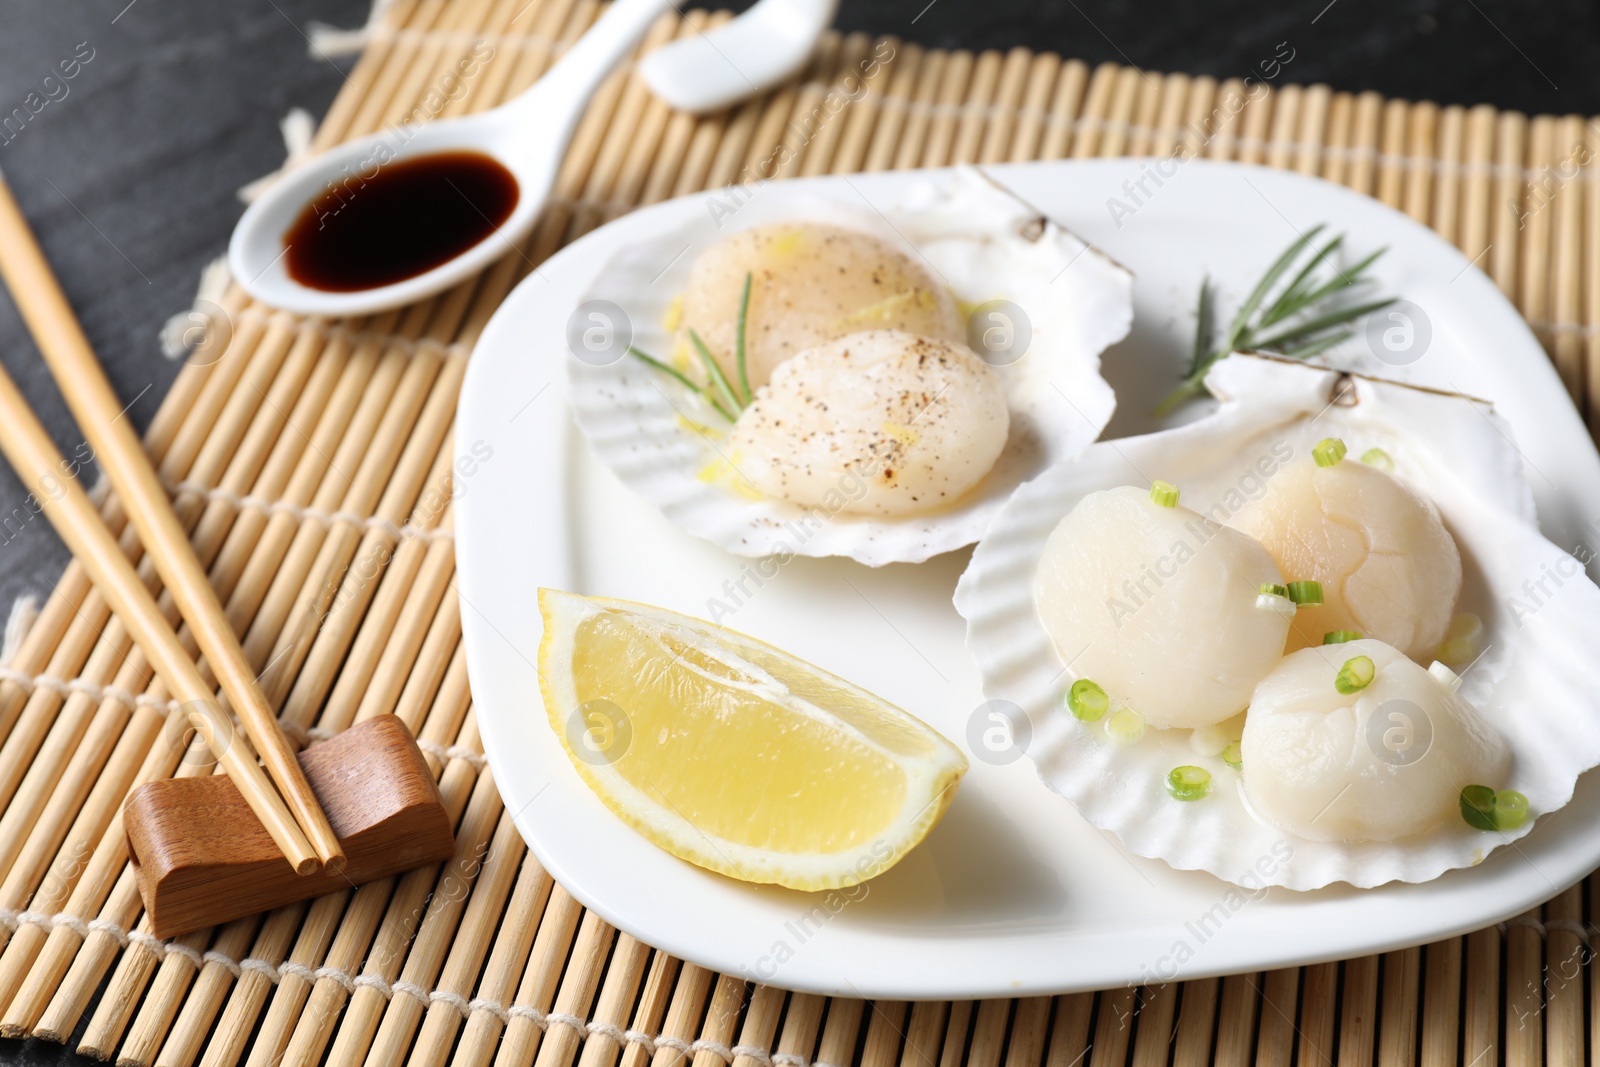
[733, 754]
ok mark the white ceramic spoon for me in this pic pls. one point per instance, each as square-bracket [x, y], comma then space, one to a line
[528, 135]
[767, 44]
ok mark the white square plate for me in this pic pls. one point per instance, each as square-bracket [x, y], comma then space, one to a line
[1012, 893]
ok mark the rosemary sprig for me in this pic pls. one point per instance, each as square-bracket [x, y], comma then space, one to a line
[673, 371]
[1308, 313]
[738, 343]
[726, 402]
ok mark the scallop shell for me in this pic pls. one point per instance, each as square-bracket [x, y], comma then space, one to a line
[665, 444]
[1535, 681]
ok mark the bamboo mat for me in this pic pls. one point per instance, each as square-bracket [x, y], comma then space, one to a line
[311, 463]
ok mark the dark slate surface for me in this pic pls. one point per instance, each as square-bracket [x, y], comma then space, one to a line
[130, 177]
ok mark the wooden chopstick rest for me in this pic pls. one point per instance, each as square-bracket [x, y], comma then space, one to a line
[203, 858]
[99, 412]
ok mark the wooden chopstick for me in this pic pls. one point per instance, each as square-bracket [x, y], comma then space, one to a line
[67, 506]
[100, 415]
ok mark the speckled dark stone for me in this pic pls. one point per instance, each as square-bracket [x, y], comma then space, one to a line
[130, 177]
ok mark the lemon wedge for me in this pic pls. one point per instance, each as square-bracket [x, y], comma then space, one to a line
[733, 754]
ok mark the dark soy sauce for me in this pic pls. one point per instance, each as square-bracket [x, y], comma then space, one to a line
[404, 219]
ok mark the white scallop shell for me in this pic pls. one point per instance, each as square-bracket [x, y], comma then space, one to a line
[984, 243]
[1536, 681]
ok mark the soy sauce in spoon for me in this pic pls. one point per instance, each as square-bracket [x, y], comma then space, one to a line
[404, 220]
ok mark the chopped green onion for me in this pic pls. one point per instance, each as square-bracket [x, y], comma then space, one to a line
[1086, 700]
[1278, 605]
[738, 343]
[1477, 807]
[1125, 726]
[1328, 451]
[1189, 783]
[1510, 809]
[1339, 637]
[1356, 674]
[1486, 809]
[1306, 594]
[1233, 756]
[1164, 493]
[1272, 589]
[714, 372]
[1462, 641]
[1447, 678]
[1377, 457]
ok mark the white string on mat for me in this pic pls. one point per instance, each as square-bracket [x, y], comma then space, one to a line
[298, 128]
[24, 613]
[300, 513]
[275, 973]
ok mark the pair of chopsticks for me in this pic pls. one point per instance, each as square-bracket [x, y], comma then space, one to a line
[294, 819]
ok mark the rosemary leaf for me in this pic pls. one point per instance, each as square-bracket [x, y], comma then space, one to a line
[673, 372]
[1337, 317]
[714, 372]
[1202, 327]
[1237, 329]
[1295, 296]
[1321, 344]
[744, 315]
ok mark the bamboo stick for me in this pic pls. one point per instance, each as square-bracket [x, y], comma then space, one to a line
[925, 1032]
[1358, 1023]
[1005, 112]
[1152, 1040]
[1565, 302]
[29, 448]
[651, 1010]
[1448, 183]
[1397, 1032]
[1392, 152]
[1279, 996]
[1237, 1026]
[884, 1030]
[1566, 950]
[512, 944]
[1113, 1026]
[1069, 1033]
[99, 413]
[1524, 991]
[1029, 1027]
[466, 912]
[1062, 121]
[988, 1032]
[977, 116]
[1441, 1003]
[1312, 135]
[1196, 1022]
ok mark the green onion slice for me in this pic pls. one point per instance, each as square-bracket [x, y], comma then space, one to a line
[1164, 493]
[1306, 594]
[1233, 756]
[1339, 637]
[1272, 589]
[1377, 457]
[1125, 726]
[1328, 451]
[1356, 674]
[1086, 700]
[1487, 809]
[1189, 783]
